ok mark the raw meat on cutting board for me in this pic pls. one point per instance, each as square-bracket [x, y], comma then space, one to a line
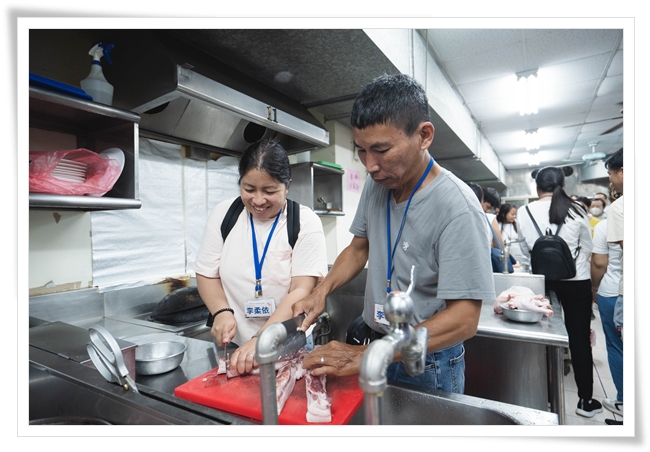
[318, 403]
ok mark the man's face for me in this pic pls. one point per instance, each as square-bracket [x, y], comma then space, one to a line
[389, 155]
[487, 207]
[616, 178]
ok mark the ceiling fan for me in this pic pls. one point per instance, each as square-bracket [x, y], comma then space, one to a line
[611, 129]
[593, 156]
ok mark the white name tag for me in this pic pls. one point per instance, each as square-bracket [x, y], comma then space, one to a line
[379, 314]
[259, 307]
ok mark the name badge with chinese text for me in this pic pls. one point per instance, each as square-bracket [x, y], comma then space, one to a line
[379, 314]
[261, 307]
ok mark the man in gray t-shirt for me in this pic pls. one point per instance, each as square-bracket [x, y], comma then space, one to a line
[436, 224]
[443, 236]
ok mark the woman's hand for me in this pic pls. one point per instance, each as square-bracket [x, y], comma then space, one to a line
[243, 359]
[224, 328]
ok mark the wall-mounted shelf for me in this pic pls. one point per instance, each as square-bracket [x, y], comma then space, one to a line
[313, 183]
[96, 127]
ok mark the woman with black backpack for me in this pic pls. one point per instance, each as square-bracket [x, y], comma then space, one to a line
[565, 265]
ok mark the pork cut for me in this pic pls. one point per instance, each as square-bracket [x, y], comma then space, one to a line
[318, 403]
[288, 371]
[285, 381]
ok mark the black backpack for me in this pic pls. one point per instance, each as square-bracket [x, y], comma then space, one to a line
[293, 219]
[551, 255]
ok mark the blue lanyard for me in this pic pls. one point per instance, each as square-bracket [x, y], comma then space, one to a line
[399, 234]
[258, 263]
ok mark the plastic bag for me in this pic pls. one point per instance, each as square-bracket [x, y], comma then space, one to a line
[102, 173]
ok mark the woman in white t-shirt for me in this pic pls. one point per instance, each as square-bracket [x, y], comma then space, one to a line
[555, 208]
[253, 278]
[507, 221]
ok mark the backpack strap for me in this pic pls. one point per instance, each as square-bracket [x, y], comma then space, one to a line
[557, 231]
[231, 217]
[534, 222]
[235, 209]
[293, 221]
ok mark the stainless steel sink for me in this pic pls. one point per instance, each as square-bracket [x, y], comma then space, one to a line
[403, 404]
[62, 391]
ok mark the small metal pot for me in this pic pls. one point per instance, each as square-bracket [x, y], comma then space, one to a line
[158, 357]
[518, 315]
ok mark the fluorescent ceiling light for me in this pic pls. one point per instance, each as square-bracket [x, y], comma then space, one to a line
[532, 140]
[527, 92]
[533, 159]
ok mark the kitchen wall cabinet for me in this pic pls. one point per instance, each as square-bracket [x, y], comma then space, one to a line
[97, 127]
[318, 186]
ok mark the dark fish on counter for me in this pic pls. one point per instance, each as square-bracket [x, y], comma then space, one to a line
[180, 306]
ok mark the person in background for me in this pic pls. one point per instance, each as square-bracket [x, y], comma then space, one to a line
[605, 279]
[555, 208]
[584, 201]
[605, 199]
[507, 221]
[412, 212]
[491, 204]
[227, 271]
[597, 212]
[614, 165]
[491, 201]
[494, 231]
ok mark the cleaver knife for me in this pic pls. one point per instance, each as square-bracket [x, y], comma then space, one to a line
[296, 338]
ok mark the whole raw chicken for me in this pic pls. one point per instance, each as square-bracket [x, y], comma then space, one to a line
[519, 297]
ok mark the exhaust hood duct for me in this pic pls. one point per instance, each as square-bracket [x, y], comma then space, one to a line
[186, 94]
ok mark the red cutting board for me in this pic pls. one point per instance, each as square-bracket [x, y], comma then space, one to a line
[241, 395]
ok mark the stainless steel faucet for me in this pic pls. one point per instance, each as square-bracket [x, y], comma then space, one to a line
[506, 252]
[402, 338]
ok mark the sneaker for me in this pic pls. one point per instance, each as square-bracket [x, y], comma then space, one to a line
[613, 405]
[589, 408]
[613, 422]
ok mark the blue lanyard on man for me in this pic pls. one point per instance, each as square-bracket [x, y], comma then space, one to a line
[391, 255]
[258, 263]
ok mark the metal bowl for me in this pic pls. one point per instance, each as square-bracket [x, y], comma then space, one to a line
[158, 357]
[518, 315]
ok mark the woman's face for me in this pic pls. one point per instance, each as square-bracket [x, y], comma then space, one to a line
[262, 195]
[512, 215]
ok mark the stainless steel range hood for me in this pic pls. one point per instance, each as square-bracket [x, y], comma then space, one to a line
[182, 93]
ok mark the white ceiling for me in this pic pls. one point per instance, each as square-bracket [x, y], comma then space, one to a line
[580, 76]
[581, 87]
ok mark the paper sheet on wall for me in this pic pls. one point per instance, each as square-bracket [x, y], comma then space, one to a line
[161, 239]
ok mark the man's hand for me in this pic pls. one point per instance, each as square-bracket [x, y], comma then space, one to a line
[347, 265]
[335, 358]
[312, 306]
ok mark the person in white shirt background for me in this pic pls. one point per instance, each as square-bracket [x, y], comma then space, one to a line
[507, 222]
[555, 208]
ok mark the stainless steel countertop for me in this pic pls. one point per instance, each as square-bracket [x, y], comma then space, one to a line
[201, 355]
[548, 331]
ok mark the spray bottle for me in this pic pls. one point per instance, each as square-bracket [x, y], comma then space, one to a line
[95, 85]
